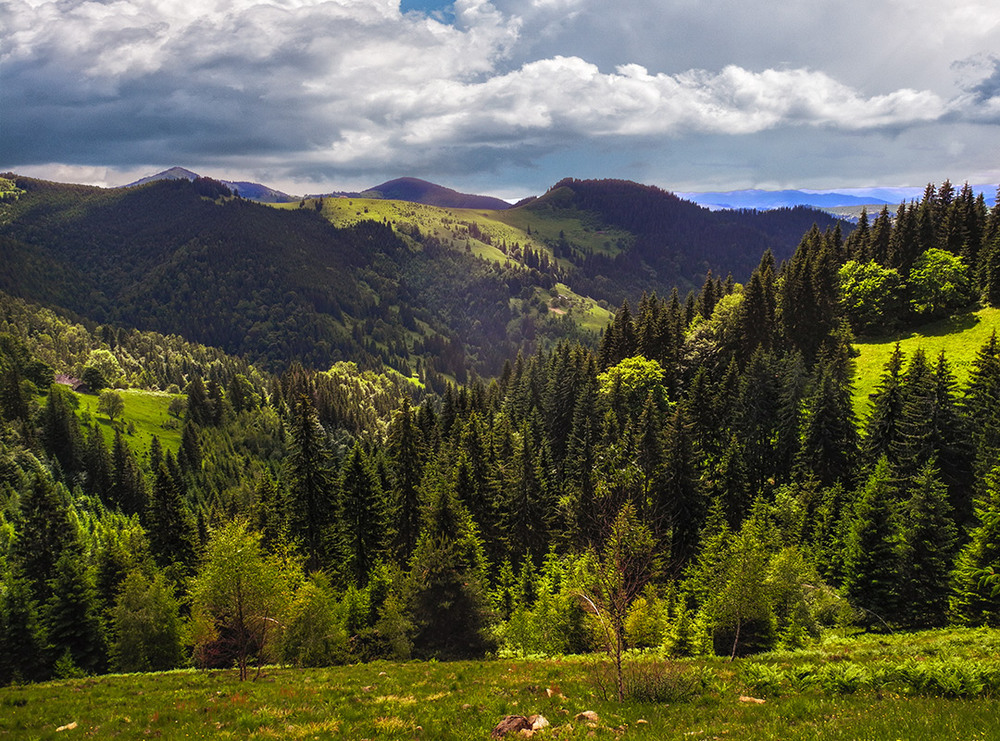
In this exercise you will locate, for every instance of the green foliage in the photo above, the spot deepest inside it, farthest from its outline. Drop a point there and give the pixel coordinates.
(871, 295)
(111, 404)
(938, 283)
(314, 634)
(146, 625)
(239, 597)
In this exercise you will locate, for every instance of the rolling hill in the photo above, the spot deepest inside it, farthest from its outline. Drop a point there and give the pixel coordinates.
(427, 290)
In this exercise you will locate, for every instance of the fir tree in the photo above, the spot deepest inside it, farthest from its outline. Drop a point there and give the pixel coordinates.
(406, 465)
(311, 491)
(871, 562)
(926, 550)
(882, 434)
(362, 516)
(71, 613)
(173, 537)
(974, 581)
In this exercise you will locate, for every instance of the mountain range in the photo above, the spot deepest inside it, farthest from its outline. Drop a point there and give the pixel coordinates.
(849, 201)
(428, 289)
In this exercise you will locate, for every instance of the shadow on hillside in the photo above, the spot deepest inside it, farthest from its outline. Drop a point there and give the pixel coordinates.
(940, 328)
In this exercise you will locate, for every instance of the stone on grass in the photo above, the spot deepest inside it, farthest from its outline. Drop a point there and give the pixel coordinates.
(510, 724)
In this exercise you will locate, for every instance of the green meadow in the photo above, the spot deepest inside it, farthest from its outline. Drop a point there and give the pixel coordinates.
(928, 685)
(145, 416)
(959, 337)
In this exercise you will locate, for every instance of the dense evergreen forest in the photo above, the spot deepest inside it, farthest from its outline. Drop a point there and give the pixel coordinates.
(700, 478)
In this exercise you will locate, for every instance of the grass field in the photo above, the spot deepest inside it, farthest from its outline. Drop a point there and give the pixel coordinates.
(145, 416)
(704, 698)
(959, 337)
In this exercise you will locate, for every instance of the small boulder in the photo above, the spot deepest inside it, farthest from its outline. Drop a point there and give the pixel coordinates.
(510, 724)
(538, 722)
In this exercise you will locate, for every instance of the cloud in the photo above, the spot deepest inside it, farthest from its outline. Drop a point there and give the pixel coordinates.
(314, 88)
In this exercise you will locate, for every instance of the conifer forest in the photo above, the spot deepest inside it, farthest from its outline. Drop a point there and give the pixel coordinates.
(696, 477)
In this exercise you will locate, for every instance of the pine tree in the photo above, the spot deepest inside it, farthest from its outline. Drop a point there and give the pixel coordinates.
(71, 613)
(829, 435)
(128, 488)
(311, 491)
(446, 591)
(173, 537)
(406, 465)
(882, 432)
(871, 562)
(362, 516)
(46, 530)
(681, 507)
(981, 406)
(974, 580)
(22, 641)
(927, 548)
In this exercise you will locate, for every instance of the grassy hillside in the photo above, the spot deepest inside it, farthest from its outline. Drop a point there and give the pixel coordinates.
(144, 418)
(960, 338)
(940, 684)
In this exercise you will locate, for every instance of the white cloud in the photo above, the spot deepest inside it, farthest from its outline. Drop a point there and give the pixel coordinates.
(354, 86)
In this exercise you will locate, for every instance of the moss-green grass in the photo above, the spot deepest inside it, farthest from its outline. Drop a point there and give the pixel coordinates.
(464, 700)
(960, 337)
(145, 416)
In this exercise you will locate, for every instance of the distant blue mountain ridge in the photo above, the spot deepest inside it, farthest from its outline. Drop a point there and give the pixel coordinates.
(764, 200)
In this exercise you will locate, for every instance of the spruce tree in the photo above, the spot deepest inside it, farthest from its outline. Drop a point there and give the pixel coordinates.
(871, 558)
(406, 465)
(977, 567)
(173, 537)
(882, 434)
(829, 435)
(446, 590)
(23, 654)
(46, 530)
(926, 551)
(362, 516)
(72, 620)
(311, 490)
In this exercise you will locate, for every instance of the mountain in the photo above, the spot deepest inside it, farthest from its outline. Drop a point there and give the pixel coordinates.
(251, 191)
(421, 191)
(422, 289)
(667, 242)
(174, 173)
(768, 199)
(820, 199)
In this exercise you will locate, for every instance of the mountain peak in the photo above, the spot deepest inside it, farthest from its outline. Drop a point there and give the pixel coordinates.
(174, 173)
(416, 190)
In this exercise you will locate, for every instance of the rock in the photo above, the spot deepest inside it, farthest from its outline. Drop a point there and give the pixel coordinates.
(588, 716)
(67, 727)
(538, 722)
(510, 724)
(756, 700)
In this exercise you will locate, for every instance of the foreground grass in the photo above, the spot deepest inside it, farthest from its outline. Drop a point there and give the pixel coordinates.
(464, 700)
(960, 338)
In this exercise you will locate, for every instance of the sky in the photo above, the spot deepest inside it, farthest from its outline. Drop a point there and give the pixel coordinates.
(503, 97)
